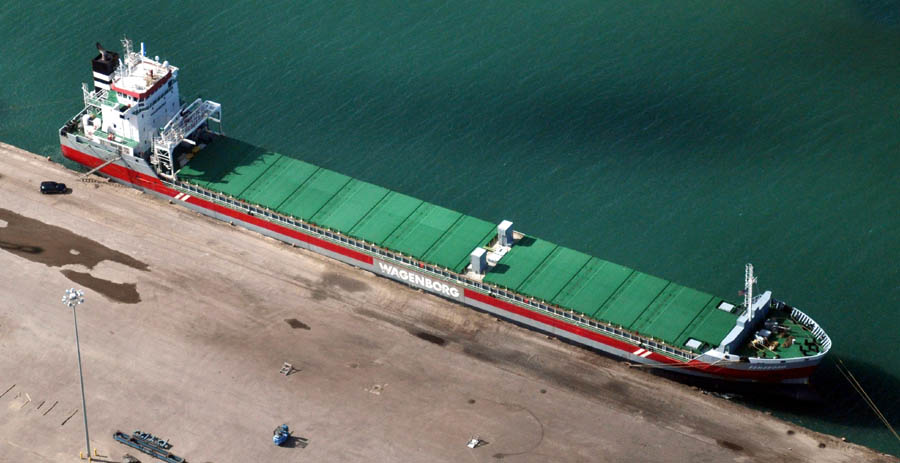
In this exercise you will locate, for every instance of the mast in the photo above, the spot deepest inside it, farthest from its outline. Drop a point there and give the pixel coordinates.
(749, 280)
(126, 45)
(131, 58)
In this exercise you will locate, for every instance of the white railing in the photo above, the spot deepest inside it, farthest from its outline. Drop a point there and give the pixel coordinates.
(187, 121)
(371, 249)
(817, 330)
(94, 98)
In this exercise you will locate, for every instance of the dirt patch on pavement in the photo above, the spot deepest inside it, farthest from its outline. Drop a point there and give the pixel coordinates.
(57, 247)
(332, 281)
(729, 445)
(296, 324)
(125, 293)
(431, 338)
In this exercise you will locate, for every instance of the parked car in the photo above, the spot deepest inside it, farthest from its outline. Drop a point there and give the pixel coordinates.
(53, 188)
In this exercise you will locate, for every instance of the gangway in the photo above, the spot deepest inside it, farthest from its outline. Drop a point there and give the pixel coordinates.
(95, 169)
(179, 129)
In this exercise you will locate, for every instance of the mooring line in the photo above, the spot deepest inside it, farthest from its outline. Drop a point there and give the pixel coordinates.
(859, 389)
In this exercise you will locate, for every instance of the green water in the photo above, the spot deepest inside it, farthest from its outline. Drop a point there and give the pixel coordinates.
(679, 138)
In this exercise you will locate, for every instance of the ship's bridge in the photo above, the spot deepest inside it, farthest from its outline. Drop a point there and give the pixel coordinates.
(142, 77)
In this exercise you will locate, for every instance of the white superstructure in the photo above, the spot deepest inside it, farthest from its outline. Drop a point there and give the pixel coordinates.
(135, 107)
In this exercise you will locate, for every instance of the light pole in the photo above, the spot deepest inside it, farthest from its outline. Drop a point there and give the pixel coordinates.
(72, 298)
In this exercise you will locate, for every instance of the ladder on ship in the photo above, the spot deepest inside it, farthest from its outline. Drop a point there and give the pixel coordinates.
(179, 129)
(164, 159)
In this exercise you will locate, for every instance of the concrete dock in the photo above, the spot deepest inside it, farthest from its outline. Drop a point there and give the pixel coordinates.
(187, 322)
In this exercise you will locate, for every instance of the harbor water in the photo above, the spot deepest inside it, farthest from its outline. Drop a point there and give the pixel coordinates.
(682, 139)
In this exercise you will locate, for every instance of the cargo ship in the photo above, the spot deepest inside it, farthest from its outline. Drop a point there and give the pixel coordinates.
(136, 130)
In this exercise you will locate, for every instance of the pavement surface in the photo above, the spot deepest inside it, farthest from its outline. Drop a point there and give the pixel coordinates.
(187, 322)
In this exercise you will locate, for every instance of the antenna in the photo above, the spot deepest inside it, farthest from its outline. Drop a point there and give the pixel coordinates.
(131, 58)
(126, 45)
(749, 280)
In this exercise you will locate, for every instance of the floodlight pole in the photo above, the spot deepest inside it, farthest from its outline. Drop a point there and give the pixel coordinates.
(72, 299)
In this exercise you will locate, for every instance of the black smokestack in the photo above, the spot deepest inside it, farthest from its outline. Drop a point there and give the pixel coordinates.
(103, 65)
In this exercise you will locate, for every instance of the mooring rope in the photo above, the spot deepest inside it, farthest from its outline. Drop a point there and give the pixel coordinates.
(858, 387)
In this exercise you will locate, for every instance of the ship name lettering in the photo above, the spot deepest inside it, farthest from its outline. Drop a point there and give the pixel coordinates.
(418, 280)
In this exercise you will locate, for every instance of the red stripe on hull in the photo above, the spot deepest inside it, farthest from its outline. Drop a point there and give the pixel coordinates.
(627, 348)
(364, 258)
(152, 183)
(119, 172)
(547, 320)
(774, 376)
(145, 181)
